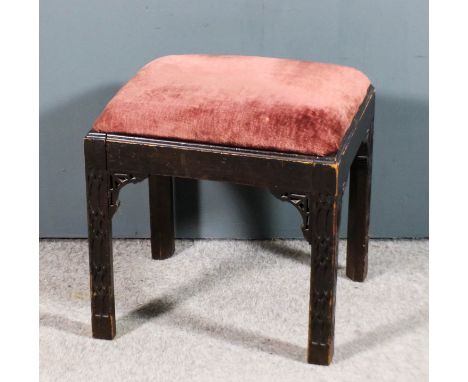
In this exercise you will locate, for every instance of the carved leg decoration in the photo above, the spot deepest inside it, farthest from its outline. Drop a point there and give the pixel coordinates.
(162, 220)
(102, 198)
(324, 236)
(100, 254)
(359, 210)
(320, 213)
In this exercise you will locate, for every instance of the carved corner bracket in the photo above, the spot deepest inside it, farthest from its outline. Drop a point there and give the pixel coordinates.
(302, 203)
(117, 182)
(314, 207)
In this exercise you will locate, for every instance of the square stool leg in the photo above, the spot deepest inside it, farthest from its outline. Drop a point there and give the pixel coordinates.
(320, 211)
(359, 211)
(100, 253)
(324, 238)
(102, 190)
(161, 216)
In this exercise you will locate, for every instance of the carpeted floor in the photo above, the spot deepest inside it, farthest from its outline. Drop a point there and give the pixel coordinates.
(232, 311)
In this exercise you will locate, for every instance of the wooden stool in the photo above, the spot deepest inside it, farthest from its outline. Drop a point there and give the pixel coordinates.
(294, 127)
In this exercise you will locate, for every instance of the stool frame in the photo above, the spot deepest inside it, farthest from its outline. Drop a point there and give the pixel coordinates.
(313, 185)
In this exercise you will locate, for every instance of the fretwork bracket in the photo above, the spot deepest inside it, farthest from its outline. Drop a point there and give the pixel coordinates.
(117, 182)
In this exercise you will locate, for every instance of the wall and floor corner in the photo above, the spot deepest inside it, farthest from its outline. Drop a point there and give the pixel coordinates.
(89, 51)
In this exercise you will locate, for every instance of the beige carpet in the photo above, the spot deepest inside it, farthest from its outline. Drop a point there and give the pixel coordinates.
(232, 311)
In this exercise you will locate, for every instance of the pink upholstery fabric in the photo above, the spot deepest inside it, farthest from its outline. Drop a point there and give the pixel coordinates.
(253, 102)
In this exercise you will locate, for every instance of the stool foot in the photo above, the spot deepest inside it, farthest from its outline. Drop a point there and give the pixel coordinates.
(103, 327)
(320, 354)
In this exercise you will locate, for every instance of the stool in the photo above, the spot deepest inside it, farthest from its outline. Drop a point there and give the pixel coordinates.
(295, 127)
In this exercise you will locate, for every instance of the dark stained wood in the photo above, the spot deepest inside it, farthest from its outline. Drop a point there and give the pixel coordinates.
(359, 211)
(100, 240)
(324, 240)
(195, 161)
(320, 211)
(355, 135)
(161, 215)
(313, 185)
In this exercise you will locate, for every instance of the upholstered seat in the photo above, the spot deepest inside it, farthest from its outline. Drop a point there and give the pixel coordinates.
(251, 102)
(272, 105)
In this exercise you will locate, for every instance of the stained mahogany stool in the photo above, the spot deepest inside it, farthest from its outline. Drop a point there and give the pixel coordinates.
(295, 127)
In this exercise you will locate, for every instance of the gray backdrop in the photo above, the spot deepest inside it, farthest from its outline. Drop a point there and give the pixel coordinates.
(89, 49)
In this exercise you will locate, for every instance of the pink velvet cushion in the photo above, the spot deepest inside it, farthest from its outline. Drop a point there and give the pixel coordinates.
(254, 102)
